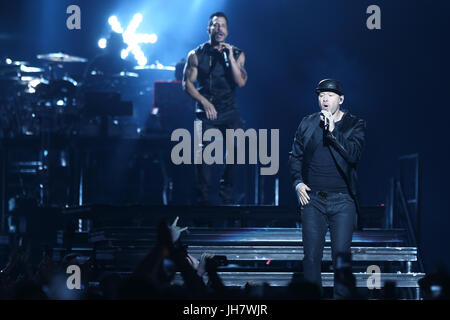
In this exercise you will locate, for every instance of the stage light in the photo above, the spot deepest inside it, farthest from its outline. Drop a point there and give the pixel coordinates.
(146, 38)
(8, 61)
(134, 24)
(63, 159)
(124, 53)
(115, 24)
(153, 38)
(102, 43)
(112, 20)
(60, 103)
(142, 61)
(133, 39)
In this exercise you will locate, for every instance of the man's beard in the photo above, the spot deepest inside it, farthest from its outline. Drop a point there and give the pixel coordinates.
(214, 39)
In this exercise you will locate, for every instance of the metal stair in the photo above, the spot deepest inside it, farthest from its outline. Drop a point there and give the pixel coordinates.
(260, 255)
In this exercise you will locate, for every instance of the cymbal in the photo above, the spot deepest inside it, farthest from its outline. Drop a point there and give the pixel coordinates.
(126, 74)
(17, 68)
(28, 69)
(60, 57)
(120, 75)
(13, 64)
(19, 63)
(154, 67)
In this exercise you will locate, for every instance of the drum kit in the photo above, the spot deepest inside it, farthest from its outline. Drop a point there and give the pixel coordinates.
(45, 97)
(32, 97)
(44, 100)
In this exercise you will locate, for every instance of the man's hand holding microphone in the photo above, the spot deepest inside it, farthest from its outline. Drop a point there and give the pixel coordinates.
(328, 118)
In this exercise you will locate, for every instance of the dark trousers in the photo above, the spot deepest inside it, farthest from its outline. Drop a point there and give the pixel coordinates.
(337, 212)
(225, 120)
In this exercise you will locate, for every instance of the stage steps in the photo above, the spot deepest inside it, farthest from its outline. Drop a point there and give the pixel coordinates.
(269, 253)
(142, 236)
(128, 245)
(258, 254)
(238, 279)
(234, 216)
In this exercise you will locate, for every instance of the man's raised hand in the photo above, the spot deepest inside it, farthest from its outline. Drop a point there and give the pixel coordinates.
(176, 231)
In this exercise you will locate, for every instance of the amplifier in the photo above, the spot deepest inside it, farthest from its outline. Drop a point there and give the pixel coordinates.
(173, 106)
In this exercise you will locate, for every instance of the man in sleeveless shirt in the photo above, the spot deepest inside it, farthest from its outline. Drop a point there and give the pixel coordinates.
(218, 68)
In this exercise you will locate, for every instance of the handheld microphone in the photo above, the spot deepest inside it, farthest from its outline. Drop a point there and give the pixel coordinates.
(225, 57)
(326, 123)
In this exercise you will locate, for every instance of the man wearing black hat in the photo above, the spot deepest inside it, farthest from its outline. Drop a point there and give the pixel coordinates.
(326, 149)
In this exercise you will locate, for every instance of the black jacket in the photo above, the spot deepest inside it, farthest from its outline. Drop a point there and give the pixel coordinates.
(346, 145)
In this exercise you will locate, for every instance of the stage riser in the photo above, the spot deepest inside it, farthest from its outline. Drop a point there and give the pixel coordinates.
(257, 254)
(237, 216)
(402, 280)
(241, 236)
(297, 253)
(272, 253)
(284, 279)
(261, 255)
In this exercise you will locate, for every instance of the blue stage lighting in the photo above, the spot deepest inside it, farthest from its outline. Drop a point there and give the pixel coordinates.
(102, 43)
(133, 39)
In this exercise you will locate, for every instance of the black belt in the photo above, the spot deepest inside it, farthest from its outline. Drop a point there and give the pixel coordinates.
(325, 194)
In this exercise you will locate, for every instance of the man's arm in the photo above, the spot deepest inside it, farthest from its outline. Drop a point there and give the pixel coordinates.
(349, 148)
(189, 77)
(237, 66)
(296, 158)
(238, 70)
(296, 165)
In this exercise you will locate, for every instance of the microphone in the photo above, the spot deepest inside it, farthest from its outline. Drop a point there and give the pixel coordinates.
(326, 123)
(225, 57)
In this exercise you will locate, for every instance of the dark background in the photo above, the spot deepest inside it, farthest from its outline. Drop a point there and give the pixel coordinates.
(395, 78)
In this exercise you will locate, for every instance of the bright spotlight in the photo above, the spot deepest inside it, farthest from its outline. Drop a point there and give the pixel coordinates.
(153, 38)
(142, 61)
(115, 24)
(124, 54)
(102, 43)
(133, 39)
(138, 18)
(112, 20)
(146, 38)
